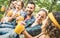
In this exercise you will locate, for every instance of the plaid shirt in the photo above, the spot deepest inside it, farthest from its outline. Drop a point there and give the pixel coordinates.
(30, 21)
(35, 30)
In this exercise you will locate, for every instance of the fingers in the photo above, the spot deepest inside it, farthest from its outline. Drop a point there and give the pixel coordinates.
(19, 19)
(45, 21)
(44, 24)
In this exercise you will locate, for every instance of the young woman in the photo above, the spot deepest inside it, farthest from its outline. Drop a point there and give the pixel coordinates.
(35, 28)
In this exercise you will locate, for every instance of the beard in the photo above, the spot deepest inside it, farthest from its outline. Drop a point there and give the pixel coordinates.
(29, 12)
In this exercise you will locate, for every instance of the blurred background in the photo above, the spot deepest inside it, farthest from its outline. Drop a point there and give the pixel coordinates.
(51, 5)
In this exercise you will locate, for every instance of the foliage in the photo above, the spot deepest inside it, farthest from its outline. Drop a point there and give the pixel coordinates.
(5, 3)
(39, 4)
(48, 4)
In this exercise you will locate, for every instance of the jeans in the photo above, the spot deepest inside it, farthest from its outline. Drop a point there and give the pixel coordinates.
(6, 26)
(7, 30)
(7, 33)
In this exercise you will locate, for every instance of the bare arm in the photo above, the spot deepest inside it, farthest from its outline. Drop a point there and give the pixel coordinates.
(27, 35)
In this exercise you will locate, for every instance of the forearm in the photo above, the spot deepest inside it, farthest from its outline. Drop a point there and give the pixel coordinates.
(27, 35)
(43, 27)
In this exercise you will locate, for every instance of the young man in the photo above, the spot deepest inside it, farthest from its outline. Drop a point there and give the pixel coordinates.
(29, 18)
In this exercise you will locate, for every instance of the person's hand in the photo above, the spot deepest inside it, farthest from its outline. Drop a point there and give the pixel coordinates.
(19, 19)
(44, 24)
(13, 16)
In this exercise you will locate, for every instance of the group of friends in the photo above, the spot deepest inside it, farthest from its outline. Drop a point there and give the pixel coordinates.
(18, 21)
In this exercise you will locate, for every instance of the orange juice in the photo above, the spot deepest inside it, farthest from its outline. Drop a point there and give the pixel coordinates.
(19, 28)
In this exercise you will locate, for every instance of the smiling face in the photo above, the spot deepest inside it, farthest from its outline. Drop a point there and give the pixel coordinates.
(30, 8)
(19, 5)
(15, 3)
(40, 16)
